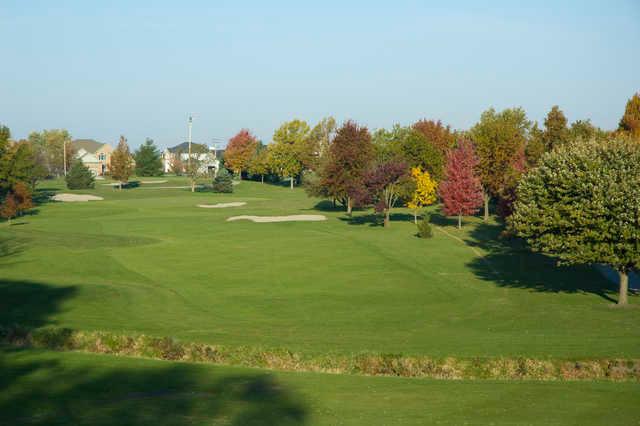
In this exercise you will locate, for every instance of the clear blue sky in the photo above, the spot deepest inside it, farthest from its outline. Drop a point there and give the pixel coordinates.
(101, 70)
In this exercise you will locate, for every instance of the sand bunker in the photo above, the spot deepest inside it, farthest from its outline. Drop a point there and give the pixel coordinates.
(71, 198)
(222, 205)
(291, 218)
(153, 181)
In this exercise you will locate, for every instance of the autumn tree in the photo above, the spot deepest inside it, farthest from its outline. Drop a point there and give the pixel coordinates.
(498, 136)
(350, 155)
(630, 121)
(461, 190)
(259, 164)
(148, 159)
(121, 162)
(437, 134)
(424, 191)
(240, 151)
(582, 205)
(383, 183)
(319, 140)
(16, 201)
(287, 153)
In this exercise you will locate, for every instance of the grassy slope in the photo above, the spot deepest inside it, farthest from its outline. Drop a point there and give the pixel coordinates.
(147, 260)
(82, 389)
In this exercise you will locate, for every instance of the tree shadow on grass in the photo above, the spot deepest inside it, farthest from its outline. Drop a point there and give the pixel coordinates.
(437, 218)
(510, 263)
(375, 219)
(38, 389)
(328, 206)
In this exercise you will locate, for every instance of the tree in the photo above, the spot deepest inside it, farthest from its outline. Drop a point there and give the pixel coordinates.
(79, 177)
(288, 152)
(148, 159)
(240, 150)
(630, 121)
(461, 190)
(498, 137)
(555, 129)
(223, 181)
(176, 165)
(259, 164)
(350, 155)
(424, 192)
(535, 147)
(383, 183)
(55, 151)
(196, 166)
(582, 205)
(9, 207)
(5, 136)
(121, 162)
(17, 200)
(437, 134)
(584, 130)
(319, 140)
(18, 164)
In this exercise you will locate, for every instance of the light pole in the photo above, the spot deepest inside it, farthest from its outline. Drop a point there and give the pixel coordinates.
(64, 156)
(189, 159)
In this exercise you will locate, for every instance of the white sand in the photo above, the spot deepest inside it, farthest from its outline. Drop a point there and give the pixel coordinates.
(291, 218)
(70, 198)
(111, 184)
(153, 181)
(222, 205)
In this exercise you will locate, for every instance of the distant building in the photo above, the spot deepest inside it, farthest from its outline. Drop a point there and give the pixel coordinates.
(178, 157)
(94, 155)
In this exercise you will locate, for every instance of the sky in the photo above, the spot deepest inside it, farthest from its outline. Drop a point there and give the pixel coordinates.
(139, 68)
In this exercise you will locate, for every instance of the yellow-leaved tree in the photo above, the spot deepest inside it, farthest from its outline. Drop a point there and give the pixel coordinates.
(425, 191)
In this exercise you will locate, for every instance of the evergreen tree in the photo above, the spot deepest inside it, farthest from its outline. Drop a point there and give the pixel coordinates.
(223, 181)
(148, 159)
(79, 177)
(555, 129)
(582, 205)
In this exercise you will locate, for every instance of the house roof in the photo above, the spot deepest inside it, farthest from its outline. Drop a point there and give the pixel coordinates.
(184, 147)
(88, 145)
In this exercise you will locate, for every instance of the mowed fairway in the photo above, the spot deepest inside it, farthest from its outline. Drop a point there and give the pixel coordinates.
(148, 260)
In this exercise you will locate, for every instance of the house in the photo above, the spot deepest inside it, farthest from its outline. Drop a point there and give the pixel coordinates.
(177, 157)
(94, 155)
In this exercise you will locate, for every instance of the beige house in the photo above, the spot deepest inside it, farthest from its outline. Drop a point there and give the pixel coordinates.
(94, 155)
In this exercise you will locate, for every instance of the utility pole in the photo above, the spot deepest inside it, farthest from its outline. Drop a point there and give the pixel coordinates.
(189, 160)
(64, 156)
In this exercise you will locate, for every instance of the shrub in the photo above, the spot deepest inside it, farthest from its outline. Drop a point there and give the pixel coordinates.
(79, 177)
(223, 182)
(425, 230)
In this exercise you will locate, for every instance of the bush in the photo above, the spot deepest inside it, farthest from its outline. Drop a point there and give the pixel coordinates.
(79, 177)
(223, 182)
(425, 230)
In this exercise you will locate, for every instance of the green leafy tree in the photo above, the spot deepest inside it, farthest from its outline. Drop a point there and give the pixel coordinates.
(223, 182)
(584, 130)
(630, 121)
(259, 164)
(121, 162)
(79, 177)
(148, 159)
(54, 148)
(582, 205)
(498, 137)
(319, 140)
(289, 153)
(555, 129)
(18, 164)
(5, 135)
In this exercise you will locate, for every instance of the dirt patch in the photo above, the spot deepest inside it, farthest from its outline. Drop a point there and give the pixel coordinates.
(222, 205)
(291, 218)
(72, 198)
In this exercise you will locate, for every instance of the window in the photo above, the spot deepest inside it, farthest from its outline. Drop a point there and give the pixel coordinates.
(101, 157)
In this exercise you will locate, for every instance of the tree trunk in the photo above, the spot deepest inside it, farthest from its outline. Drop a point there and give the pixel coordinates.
(415, 217)
(624, 288)
(291, 180)
(261, 178)
(349, 206)
(120, 186)
(486, 206)
(387, 219)
(459, 221)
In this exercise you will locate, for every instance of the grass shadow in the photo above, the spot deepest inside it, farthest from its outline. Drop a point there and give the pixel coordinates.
(510, 263)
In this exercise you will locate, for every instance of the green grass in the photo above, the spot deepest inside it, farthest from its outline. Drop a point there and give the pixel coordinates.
(50, 388)
(147, 260)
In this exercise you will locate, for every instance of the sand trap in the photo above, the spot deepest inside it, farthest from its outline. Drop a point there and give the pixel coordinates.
(292, 218)
(153, 181)
(110, 184)
(71, 198)
(222, 205)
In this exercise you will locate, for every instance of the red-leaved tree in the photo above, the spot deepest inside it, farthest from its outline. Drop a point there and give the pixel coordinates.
(384, 185)
(350, 154)
(240, 150)
(461, 190)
